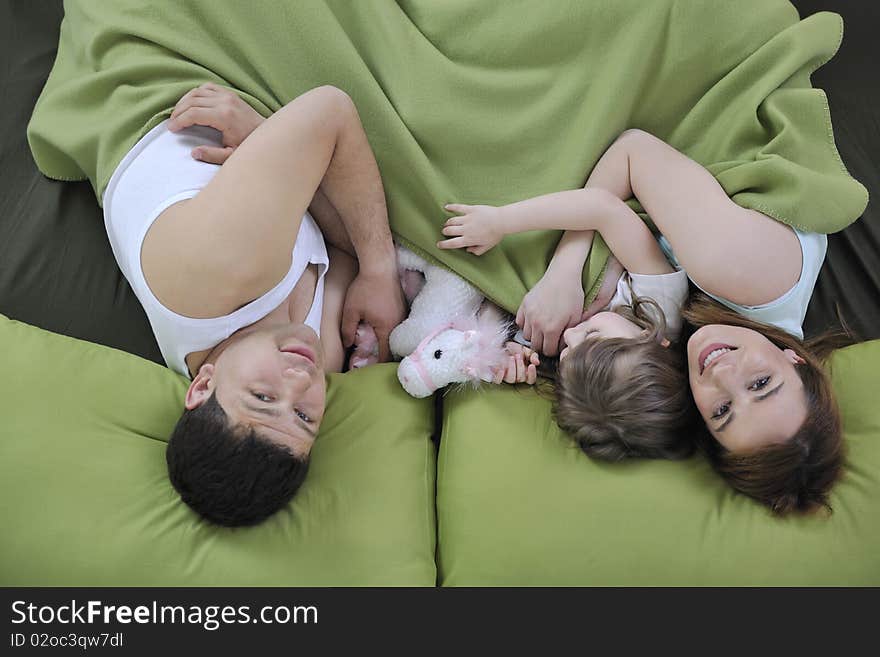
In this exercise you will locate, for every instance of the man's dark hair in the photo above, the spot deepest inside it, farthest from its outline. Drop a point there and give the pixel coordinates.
(228, 475)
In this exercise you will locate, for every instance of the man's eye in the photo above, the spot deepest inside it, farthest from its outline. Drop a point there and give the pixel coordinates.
(760, 383)
(262, 397)
(720, 411)
(303, 416)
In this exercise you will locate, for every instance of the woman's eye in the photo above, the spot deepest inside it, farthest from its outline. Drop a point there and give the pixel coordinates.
(262, 397)
(720, 411)
(760, 383)
(303, 416)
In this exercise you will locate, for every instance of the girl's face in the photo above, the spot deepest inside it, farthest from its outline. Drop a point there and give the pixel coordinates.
(746, 388)
(601, 325)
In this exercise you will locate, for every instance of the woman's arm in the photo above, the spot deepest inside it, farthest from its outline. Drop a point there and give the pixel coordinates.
(730, 251)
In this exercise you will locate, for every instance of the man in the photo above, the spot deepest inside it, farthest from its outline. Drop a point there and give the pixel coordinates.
(241, 292)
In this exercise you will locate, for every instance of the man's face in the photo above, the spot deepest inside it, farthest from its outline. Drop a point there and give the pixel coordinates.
(271, 380)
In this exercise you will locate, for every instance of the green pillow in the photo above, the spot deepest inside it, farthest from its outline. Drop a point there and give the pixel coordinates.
(519, 504)
(85, 498)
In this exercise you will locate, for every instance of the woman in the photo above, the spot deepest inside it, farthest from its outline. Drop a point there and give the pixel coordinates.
(242, 293)
(772, 427)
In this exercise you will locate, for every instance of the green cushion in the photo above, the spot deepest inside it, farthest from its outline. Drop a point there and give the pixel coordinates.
(518, 504)
(85, 497)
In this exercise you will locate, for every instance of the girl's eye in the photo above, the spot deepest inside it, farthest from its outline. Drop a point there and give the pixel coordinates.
(720, 411)
(760, 383)
(262, 397)
(303, 416)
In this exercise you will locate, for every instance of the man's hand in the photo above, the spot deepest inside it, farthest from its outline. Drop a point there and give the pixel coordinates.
(375, 299)
(522, 365)
(613, 272)
(212, 105)
(554, 304)
(479, 228)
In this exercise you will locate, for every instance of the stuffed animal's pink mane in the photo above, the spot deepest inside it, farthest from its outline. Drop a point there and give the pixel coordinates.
(492, 332)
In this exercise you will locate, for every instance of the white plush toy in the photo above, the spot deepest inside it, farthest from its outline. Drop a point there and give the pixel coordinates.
(453, 333)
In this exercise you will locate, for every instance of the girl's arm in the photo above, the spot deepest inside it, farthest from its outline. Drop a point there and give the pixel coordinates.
(481, 227)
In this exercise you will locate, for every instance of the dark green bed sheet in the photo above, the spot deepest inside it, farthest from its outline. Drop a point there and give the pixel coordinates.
(56, 267)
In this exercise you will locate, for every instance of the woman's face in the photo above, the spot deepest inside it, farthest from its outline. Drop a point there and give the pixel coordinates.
(601, 325)
(745, 387)
(271, 380)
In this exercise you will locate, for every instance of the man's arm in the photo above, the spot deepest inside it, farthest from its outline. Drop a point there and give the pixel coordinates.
(313, 144)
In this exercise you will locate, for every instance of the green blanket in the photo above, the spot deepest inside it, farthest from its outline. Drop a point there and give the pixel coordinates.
(475, 101)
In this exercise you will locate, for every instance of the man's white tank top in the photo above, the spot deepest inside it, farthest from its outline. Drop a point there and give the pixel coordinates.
(156, 173)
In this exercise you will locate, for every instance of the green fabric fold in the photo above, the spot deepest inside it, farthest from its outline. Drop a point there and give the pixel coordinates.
(476, 102)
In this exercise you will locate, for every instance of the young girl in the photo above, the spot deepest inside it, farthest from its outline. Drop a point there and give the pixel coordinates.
(772, 427)
(622, 384)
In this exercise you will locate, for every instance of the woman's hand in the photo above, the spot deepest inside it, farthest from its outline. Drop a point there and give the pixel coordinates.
(212, 105)
(479, 228)
(554, 304)
(522, 365)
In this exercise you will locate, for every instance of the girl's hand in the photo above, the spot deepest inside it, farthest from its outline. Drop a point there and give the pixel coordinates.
(522, 365)
(553, 305)
(218, 108)
(479, 228)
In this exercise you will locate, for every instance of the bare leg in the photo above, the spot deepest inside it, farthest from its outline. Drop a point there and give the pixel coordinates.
(730, 251)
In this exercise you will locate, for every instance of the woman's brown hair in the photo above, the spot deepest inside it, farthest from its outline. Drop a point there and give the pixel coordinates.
(796, 475)
(621, 398)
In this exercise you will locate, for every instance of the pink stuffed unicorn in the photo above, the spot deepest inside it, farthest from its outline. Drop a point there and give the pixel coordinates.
(453, 334)
(471, 350)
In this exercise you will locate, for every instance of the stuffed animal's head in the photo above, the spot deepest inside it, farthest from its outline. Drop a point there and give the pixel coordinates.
(452, 355)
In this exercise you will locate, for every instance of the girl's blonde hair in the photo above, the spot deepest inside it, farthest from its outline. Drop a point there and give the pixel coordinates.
(796, 475)
(627, 397)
